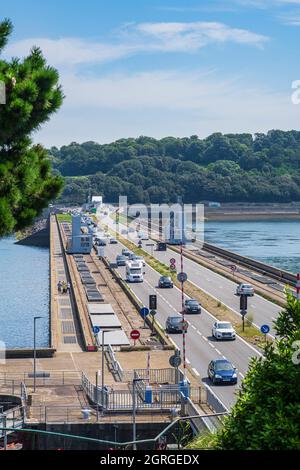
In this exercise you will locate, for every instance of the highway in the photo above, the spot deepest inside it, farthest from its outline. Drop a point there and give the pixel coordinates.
(201, 347)
(262, 310)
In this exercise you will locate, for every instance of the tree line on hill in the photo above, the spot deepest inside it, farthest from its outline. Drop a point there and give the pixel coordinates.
(226, 168)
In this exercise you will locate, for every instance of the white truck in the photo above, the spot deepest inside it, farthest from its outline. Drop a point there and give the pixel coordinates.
(134, 271)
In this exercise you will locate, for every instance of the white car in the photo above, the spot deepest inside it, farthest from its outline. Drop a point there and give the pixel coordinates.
(246, 289)
(223, 330)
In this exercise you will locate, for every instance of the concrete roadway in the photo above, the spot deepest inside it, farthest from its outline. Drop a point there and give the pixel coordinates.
(263, 311)
(201, 348)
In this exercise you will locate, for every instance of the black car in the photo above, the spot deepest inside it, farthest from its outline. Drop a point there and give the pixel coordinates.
(174, 325)
(165, 281)
(192, 306)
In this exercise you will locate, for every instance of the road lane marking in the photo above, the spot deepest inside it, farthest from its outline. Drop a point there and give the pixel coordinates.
(195, 372)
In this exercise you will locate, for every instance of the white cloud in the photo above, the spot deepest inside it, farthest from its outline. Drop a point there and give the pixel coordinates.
(137, 39)
(165, 103)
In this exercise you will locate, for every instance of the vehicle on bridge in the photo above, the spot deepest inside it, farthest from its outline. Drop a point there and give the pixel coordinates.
(121, 260)
(192, 306)
(222, 371)
(165, 281)
(223, 330)
(134, 271)
(174, 325)
(245, 289)
(126, 252)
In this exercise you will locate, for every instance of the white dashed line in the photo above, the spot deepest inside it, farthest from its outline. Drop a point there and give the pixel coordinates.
(195, 371)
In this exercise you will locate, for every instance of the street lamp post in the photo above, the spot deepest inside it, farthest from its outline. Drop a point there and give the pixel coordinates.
(34, 352)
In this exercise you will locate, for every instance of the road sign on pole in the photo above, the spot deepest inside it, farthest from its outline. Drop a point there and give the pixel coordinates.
(135, 334)
(96, 330)
(152, 301)
(265, 330)
(243, 302)
(175, 361)
(182, 277)
(144, 312)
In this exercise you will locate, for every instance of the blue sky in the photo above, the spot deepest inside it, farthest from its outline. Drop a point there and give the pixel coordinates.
(164, 67)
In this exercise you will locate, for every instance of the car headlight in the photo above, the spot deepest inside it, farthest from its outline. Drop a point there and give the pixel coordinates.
(217, 376)
(234, 376)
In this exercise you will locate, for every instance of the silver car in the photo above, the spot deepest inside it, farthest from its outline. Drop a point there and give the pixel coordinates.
(246, 289)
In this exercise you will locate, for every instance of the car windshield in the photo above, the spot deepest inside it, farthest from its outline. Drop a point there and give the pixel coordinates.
(135, 270)
(193, 302)
(176, 320)
(223, 325)
(165, 278)
(223, 365)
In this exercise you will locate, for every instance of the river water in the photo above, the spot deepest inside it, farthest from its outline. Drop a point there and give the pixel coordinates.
(24, 293)
(275, 242)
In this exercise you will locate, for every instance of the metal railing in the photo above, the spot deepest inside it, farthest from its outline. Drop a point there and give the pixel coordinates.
(164, 397)
(12, 418)
(49, 378)
(116, 366)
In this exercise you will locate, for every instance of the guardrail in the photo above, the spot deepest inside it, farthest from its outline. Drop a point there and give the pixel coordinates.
(278, 274)
(13, 418)
(49, 378)
(116, 366)
(213, 401)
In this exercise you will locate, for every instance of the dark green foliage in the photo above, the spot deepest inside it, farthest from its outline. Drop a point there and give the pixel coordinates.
(267, 413)
(226, 168)
(27, 183)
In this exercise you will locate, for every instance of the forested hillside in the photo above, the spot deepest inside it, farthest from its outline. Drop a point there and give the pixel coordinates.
(231, 168)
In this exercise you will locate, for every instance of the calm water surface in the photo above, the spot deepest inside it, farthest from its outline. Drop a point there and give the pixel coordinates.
(274, 242)
(24, 293)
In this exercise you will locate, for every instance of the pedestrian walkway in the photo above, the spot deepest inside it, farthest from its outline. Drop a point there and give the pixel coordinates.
(64, 325)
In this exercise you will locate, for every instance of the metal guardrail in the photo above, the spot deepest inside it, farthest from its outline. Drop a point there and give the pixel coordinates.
(214, 402)
(116, 366)
(165, 398)
(50, 379)
(12, 418)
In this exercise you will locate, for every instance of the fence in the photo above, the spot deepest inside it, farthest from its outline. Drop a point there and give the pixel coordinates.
(43, 378)
(162, 398)
(13, 418)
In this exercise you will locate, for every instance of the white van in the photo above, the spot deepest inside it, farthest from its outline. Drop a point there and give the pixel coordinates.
(134, 271)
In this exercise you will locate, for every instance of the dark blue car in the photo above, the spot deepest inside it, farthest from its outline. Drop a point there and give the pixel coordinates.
(222, 371)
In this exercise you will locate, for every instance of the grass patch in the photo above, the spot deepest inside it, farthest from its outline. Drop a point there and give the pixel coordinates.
(64, 217)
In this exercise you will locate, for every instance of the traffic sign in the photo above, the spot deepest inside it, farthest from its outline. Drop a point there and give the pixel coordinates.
(144, 312)
(96, 330)
(172, 261)
(184, 325)
(265, 329)
(175, 361)
(182, 277)
(135, 334)
(153, 301)
(233, 268)
(243, 303)
(153, 312)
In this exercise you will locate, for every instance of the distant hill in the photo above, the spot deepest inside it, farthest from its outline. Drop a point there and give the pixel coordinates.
(226, 168)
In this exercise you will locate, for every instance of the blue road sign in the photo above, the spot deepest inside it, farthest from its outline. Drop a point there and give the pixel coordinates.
(96, 329)
(265, 329)
(144, 312)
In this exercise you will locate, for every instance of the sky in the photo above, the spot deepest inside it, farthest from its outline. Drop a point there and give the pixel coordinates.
(163, 67)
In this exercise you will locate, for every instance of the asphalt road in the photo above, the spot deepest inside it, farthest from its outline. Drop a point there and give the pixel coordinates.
(201, 348)
(261, 310)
